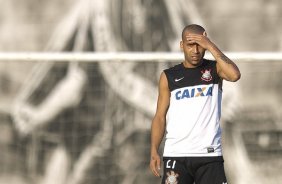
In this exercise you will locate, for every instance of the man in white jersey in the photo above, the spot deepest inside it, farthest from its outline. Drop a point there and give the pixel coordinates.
(188, 110)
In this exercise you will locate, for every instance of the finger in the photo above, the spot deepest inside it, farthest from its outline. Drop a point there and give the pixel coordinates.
(156, 171)
(159, 167)
(192, 42)
(159, 164)
(154, 168)
(193, 38)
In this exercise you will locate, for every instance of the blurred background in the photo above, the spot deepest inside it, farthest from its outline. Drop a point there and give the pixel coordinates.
(89, 122)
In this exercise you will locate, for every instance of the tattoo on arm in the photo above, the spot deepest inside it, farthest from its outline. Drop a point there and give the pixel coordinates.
(225, 59)
(222, 56)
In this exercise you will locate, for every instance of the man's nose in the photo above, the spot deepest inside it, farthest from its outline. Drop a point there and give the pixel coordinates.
(195, 48)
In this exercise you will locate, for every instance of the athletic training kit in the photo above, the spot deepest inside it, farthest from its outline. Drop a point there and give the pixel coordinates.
(192, 149)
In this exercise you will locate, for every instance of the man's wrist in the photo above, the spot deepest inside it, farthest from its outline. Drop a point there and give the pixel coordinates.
(213, 48)
(154, 151)
(217, 54)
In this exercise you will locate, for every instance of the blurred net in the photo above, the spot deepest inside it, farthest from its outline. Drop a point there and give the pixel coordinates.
(89, 122)
(97, 129)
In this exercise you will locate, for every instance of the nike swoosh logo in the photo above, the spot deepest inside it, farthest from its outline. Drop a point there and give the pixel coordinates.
(176, 80)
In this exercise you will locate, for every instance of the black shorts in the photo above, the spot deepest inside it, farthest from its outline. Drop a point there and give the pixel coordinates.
(190, 170)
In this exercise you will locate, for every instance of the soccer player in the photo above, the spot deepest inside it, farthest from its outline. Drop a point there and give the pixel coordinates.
(188, 110)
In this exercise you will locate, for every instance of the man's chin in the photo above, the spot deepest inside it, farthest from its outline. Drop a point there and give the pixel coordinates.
(196, 62)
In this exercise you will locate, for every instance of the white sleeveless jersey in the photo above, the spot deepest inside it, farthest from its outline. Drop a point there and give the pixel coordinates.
(192, 127)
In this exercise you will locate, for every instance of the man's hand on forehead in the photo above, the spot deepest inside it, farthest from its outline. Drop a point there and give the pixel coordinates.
(193, 38)
(200, 39)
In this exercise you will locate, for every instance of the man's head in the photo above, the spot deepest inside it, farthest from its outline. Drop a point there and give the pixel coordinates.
(194, 29)
(193, 52)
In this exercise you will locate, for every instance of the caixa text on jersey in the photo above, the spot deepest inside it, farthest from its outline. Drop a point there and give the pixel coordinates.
(193, 92)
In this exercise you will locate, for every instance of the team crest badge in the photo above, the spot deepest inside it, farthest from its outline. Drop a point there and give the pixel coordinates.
(206, 75)
(171, 178)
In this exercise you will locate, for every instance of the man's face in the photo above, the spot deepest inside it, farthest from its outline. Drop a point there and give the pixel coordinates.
(193, 53)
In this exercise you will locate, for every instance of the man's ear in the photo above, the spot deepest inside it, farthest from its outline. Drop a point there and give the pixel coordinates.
(205, 33)
(181, 45)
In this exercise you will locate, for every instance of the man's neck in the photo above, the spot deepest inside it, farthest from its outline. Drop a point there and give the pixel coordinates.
(186, 64)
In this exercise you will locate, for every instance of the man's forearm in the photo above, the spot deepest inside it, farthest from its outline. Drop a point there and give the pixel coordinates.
(157, 133)
(227, 66)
